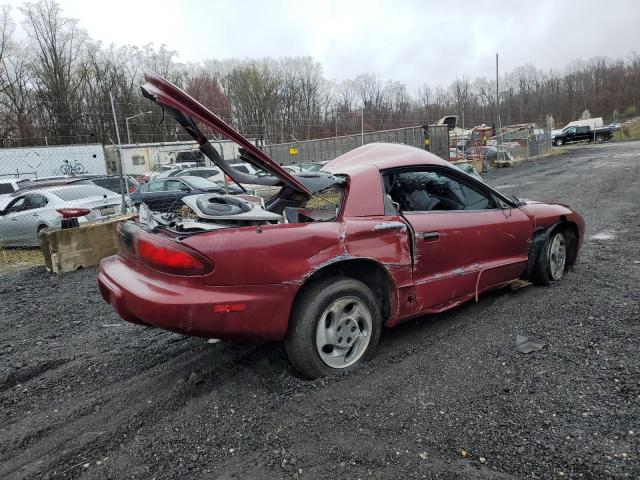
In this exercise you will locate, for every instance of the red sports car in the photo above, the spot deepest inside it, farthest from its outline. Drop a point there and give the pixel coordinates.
(382, 234)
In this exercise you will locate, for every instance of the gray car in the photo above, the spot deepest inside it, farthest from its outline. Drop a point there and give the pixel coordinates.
(28, 213)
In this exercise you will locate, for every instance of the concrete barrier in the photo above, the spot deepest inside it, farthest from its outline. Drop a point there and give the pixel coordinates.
(72, 248)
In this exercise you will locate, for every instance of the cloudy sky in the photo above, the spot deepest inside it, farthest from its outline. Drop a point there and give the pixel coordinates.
(413, 41)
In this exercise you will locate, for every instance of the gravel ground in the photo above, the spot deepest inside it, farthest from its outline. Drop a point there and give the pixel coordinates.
(84, 394)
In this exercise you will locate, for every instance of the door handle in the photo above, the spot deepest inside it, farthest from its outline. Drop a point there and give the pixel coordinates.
(428, 236)
(34, 214)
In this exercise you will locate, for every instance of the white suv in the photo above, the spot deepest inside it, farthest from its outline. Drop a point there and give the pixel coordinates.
(7, 187)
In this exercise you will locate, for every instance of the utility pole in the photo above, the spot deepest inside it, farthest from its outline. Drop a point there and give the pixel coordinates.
(362, 125)
(497, 100)
(124, 188)
(115, 119)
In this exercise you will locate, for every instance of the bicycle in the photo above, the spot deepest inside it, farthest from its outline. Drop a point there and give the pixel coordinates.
(68, 168)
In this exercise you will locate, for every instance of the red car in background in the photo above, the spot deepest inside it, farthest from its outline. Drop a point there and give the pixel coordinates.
(383, 234)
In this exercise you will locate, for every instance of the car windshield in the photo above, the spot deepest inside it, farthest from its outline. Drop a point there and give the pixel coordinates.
(311, 167)
(78, 192)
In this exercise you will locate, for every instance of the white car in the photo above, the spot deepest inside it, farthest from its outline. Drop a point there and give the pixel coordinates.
(210, 173)
(28, 213)
(170, 169)
(7, 187)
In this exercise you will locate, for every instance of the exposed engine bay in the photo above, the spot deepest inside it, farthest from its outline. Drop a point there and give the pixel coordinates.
(212, 211)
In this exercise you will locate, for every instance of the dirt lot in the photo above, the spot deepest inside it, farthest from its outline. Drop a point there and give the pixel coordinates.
(83, 394)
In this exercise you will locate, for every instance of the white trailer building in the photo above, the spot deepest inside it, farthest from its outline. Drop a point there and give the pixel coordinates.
(39, 162)
(141, 158)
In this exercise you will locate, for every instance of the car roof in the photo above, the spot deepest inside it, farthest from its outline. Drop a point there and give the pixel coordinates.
(363, 164)
(382, 156)
(56, 188)
(200, 168)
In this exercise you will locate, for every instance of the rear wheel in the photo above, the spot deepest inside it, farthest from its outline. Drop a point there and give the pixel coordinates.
(335, 326)
(552, 261)
(599, 139)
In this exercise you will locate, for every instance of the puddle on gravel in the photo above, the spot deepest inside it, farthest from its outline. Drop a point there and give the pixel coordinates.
(604, 235)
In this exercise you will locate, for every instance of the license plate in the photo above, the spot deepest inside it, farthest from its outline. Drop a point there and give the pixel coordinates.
(108, 211)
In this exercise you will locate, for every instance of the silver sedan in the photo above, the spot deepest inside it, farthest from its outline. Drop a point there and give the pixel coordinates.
(33, 210)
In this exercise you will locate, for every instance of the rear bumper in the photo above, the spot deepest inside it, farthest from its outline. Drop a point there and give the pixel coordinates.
(185, 305)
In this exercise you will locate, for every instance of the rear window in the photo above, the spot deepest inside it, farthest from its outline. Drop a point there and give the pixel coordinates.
(76, 193)
(240, 168)
(327, 199)
(200, 183)
(6, 188)
(112, 184)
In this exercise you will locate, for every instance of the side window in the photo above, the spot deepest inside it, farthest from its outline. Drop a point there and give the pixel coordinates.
(156, 186)
(241, 168)
(144, 188)
(425, 191)
(174, 185)
(36, 201)
(18, 205)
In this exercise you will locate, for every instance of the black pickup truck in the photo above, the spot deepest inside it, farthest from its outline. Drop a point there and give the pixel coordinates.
(579, 134)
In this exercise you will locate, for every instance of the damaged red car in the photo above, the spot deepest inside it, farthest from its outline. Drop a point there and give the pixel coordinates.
(382, 234)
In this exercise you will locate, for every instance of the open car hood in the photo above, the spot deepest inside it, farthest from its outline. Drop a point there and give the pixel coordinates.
(167, 94)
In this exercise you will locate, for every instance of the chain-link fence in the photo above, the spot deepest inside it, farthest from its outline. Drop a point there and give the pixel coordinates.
(322, 150)
(483, 147)
(50, 187)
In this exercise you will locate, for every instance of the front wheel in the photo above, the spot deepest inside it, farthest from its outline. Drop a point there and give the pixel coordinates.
(552, 260)
(558, 142)
(335, 326)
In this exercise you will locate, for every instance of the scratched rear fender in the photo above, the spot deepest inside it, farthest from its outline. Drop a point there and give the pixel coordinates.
(290, 253)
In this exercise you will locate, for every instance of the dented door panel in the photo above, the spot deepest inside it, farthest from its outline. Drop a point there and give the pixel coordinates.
(454, 248)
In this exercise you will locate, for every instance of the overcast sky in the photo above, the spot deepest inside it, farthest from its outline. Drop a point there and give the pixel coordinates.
(413, 41)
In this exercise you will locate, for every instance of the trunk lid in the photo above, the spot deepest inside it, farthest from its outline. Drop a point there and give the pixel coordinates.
(165, 93)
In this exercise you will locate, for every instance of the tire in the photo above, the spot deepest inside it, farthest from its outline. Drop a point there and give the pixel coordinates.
(558, 142)
(552, 261)
(316, 342)
(599, 139)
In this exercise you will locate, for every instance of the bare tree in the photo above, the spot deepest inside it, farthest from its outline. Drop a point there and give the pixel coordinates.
(59, 45)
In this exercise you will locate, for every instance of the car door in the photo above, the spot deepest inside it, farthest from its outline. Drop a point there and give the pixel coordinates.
(156, 196)
(464, 240)
(35, 215)
(175, 189)
(17, 223)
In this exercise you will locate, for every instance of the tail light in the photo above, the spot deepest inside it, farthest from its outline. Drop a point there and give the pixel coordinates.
(228, 179)
(132, 189)
(170, 257)
(73, 212)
